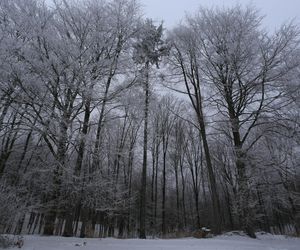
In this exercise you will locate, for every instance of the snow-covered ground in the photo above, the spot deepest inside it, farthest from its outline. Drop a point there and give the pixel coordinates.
(225, 242)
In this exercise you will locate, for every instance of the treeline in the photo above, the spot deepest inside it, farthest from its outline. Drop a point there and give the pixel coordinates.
(112, 126)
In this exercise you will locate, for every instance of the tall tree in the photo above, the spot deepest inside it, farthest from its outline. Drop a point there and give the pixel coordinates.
(185, 63)
(148, 50)
(243, 64)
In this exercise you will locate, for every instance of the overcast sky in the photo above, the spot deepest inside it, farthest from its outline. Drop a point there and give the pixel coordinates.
(172, 11)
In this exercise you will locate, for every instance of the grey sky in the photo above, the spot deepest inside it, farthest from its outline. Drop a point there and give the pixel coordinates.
(172, 11)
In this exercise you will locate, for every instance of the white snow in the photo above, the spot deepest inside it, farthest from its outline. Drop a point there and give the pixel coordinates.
(226, 242)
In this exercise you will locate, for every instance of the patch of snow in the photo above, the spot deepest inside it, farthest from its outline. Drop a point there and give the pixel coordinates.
(217, 243)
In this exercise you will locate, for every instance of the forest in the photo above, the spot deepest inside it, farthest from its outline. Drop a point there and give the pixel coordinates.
(112, 125)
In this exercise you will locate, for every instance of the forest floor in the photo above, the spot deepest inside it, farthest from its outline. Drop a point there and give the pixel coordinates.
(224, 242)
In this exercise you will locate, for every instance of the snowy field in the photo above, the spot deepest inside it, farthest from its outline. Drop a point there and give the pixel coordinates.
(264, 242)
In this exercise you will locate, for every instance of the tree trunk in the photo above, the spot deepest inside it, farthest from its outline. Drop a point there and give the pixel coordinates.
(61, 157)
(177, 196)
(245, 213)
(217, 221)
(142, 233)
(183, 194)
(163, 206)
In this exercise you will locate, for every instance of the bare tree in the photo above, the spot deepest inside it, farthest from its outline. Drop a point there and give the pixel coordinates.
(243, 64)
(185, 65)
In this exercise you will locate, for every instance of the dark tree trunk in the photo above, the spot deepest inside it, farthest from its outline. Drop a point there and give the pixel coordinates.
(177, 196)
(217, 221)
(183, 193)
(163, 205)
(142, 233)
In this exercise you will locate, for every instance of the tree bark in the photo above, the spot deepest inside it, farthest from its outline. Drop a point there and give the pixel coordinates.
(142, 233)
